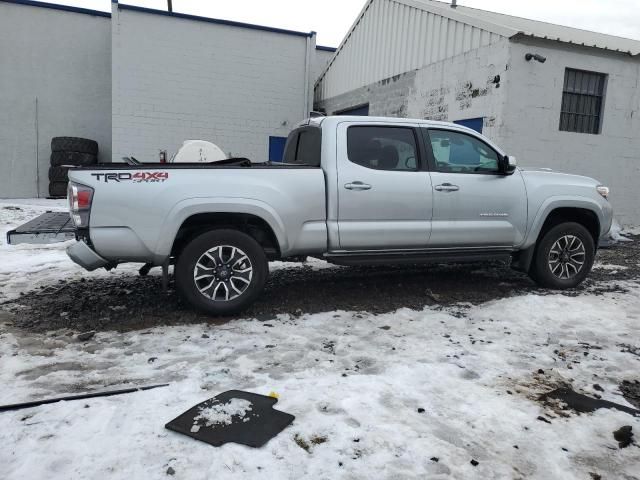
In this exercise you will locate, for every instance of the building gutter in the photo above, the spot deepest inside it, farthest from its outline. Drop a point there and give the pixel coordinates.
(308, 67)
(217, 21)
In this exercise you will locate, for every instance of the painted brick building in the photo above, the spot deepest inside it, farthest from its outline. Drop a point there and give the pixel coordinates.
(578, 112)
(139, 81)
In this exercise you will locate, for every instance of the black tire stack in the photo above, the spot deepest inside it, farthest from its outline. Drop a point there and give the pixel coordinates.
(68, 152)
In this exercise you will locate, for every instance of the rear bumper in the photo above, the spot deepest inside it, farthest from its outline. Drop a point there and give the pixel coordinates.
(84, 256)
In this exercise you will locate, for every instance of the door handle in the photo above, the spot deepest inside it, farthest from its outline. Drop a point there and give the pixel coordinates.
(447, 187)
(357, 186)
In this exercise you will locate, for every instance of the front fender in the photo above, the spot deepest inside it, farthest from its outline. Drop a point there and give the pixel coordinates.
(563, 201)
(184, 209)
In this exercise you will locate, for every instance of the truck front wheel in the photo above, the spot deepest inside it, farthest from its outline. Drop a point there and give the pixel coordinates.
(564, 256)
(221, 272)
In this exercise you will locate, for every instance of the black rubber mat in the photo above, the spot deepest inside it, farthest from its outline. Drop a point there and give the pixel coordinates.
(583, 404)
(255, 428)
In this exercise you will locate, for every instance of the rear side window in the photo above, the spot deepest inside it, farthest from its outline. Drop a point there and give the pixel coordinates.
(383, 148)
(304, 146)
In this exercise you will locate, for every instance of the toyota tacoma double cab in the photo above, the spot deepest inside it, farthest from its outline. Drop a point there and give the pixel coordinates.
(350, 190)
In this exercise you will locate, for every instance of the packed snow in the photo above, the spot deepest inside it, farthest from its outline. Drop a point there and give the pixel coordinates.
(443, 393)
(223, 413)
(617, 232)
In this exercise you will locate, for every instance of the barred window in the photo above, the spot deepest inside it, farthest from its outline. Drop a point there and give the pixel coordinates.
(582, 101)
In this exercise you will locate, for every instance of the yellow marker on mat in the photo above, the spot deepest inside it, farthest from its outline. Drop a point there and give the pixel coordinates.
(274, 395)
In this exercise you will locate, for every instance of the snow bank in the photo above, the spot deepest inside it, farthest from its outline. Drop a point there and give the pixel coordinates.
(616, 234)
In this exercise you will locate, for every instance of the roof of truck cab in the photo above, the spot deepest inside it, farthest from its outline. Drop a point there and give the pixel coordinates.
(333, 120)
(363, 119)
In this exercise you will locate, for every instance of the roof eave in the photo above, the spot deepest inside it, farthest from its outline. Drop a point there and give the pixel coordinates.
(522, 34)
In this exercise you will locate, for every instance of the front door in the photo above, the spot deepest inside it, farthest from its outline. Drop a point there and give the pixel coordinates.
(384, 198)
(474, 205)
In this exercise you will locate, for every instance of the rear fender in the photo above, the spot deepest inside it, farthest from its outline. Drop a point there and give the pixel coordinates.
(193, 206)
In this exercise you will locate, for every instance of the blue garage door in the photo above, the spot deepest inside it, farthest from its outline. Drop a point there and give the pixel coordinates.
(472, 123)
(276, 148)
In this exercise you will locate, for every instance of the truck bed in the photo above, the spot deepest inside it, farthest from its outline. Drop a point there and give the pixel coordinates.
(137, 210)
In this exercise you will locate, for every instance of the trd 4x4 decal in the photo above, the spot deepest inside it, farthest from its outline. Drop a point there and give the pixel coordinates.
(138, 177)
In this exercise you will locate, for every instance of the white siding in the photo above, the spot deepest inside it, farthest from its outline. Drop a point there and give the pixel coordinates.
(391, 38)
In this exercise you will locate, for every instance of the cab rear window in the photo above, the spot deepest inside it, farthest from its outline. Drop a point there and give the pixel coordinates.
(303, 146)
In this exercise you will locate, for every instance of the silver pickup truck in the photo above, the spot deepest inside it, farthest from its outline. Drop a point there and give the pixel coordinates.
(351, 190)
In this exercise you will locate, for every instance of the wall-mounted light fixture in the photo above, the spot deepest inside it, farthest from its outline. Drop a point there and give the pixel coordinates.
(534, 56)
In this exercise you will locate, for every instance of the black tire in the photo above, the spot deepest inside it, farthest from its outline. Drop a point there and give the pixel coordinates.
(58, 174)
(190, 288)
(58, 189)
(545, 262)
(74, 144)
(73, 158)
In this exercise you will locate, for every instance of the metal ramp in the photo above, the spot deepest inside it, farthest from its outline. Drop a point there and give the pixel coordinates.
(50, 227)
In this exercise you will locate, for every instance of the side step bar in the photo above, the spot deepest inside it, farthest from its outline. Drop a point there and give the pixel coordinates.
(419, 256)
(50, 227)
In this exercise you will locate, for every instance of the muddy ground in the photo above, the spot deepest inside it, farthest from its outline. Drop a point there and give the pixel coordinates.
(133, 302)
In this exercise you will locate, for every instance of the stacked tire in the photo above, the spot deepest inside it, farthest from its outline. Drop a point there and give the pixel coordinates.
(67, 152)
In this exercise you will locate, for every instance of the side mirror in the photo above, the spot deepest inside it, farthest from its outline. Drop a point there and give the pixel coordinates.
(508, 164)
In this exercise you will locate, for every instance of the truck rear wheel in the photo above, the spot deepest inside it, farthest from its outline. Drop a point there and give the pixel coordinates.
(564, 256)
(221, 272)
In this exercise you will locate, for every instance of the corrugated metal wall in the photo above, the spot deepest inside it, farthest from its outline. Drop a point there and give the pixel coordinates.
(392, 38)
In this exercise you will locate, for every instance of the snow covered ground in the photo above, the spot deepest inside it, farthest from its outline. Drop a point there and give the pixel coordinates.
(407, 394)
(26, 267)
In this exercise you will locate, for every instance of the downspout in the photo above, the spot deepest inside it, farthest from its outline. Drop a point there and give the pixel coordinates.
(308, 67)
(115, 75)
(37, 152)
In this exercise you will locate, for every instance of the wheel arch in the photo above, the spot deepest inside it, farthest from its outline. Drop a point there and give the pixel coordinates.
(253, 225)
(193, 216)
(583, 213)
(582, 210)
(583, 216)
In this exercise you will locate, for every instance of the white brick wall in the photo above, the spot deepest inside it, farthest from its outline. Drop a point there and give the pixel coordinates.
(458, 88)
(532, 118)
(63, 59)
(467, 86)
(176, 79)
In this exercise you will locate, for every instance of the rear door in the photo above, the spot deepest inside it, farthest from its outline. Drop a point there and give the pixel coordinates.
(474, 205)
(384, 197)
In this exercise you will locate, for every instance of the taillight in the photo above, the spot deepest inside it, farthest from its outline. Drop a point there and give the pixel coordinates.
(80, 197)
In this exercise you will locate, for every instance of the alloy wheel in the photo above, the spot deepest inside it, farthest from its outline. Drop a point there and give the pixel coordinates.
(223, 273)
(566, 257)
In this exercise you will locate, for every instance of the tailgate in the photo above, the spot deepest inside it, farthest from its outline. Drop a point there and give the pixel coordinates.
(50, 227)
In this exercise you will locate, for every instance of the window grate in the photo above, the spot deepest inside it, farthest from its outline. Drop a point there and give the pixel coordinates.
(582, 99)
